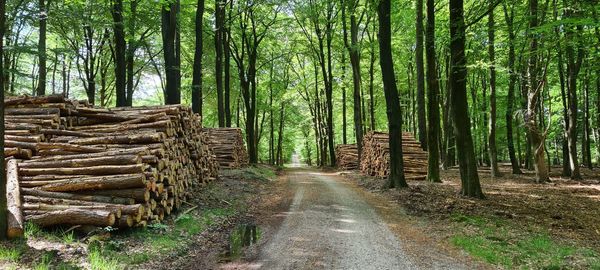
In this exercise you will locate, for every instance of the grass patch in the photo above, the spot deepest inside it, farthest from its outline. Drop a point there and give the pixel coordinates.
(10, 254)
(99, 261)
(496, 242)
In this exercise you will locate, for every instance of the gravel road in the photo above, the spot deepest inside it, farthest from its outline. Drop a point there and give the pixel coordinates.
(330, 226)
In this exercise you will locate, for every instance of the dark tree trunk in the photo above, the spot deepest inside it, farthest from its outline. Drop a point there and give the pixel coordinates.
(43, 18)
(566, 167)
(493, 153)
(462, 125)
(574, 61)
(169, 32)
(280, 135)
(227, 67)
(272, 120)
(3, 203)
(344, 108)
(433, 92)
(509, 16)
(394, 113)
(197, 69)
(422, 122)
(130, 54)
(586, 125)
(353, 50)
(219, 37)
(120, 47)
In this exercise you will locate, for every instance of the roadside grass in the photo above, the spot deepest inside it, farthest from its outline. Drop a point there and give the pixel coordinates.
(259, 173)
(10, 254)
(496, 242)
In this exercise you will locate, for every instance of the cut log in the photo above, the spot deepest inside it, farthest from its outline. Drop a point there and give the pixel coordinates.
(99, 218)
(13, 199)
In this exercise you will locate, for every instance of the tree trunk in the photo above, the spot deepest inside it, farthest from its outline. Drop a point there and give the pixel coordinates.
(120, 48)
(280, 135)
(227, 67)
(433, 109)
(422, 134)
(169, 26)
(43, 18)
(219, 33)
(3, 205)
(197, 69)
(130, 53)
(492, 123)
(511, 90)
(460, 114)
(394, 113)
(574, 60)
(535, 136)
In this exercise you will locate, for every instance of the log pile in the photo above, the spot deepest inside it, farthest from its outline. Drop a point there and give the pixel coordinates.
(375, 159)
(346, 156)
(228, 146)
(123, 167)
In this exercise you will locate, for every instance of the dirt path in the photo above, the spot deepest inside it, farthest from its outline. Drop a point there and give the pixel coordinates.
(329, 225)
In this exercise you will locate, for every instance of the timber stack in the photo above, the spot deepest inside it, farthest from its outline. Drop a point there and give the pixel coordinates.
(122, 167)
(346, 156)
(375, 160)
(228, 146)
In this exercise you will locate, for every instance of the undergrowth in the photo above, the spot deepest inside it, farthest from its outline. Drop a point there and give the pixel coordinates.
(496, 242)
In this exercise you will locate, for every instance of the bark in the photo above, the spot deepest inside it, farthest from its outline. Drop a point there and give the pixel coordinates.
(219, 37)
(70, 196)
(279, 155)
(100, 218)
(197, 69)
(42, 70)
(120, 48)
(533, 88)
(493, 153)
(15, 216)
(227, 67)
(169, 33)
(509, 17)
(422, 124)
(433, 109)
(396, 177)
(353, 50)
(575, 56)
(470, 185)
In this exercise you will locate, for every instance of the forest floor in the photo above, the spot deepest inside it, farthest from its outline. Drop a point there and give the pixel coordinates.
(520, 224)
(200, 236)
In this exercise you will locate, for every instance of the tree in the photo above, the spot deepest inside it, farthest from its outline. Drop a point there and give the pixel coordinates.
(219, 41)
(3, 204)
(353, 48)
(509, 16)
(470, 185)
(533, 89)
(253, 28)
(575, 54)
(433, 104)
(197, 72)
(120, 47)
(170, 39)
(42, 70)
(420, 66)
(493, 152)
(394, 113)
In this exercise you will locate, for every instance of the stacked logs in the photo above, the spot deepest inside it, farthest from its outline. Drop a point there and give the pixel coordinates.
(228, 146)
(90, 166)
(346, 156)
(375, 159)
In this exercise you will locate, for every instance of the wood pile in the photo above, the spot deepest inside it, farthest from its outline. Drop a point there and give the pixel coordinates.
(346, 156)
(375, 160)
(228, 146)
(122, 167)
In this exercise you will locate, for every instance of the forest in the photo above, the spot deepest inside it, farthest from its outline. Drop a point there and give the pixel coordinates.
(496, 88)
